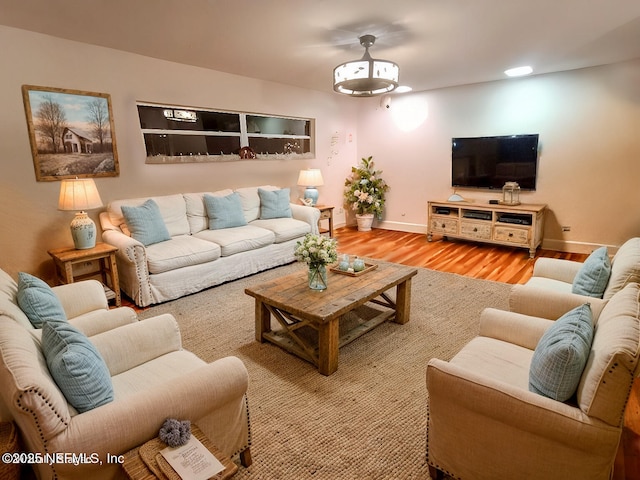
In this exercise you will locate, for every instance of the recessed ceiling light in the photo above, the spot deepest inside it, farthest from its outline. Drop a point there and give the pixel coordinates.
(403, 89)
(518, 71)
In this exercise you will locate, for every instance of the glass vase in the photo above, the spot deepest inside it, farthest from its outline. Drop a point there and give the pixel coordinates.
(317, 277)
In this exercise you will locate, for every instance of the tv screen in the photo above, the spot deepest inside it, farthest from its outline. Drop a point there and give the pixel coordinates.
(489, 162)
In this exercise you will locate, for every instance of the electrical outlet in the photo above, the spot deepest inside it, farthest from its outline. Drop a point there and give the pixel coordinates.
(566, 228)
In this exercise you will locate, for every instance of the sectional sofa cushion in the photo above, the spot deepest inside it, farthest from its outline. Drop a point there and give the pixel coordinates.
(224, 212)
(274, 203)
(285, 229)
(180, 251)
(145, 223)
(76, 366)
(561, 355)
(196, 211)
(37, 300)
(251, 201)
(172, 209)
(593, 276)
(9, 301)
(625, 267)
(605, 386)
(238, 239)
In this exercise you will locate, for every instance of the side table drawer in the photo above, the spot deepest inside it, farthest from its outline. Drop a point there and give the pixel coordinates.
(512, 235)
(475, 230)
(444, 225)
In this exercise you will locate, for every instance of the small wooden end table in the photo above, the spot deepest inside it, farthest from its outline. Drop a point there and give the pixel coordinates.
(294, 305)
(65, 258)
(142, 463)
(326, 213)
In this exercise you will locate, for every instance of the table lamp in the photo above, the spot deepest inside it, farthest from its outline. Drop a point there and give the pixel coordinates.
(80, 194)
(311, 178)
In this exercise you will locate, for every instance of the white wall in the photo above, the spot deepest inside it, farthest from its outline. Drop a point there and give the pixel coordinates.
(31, 223)
(588, 121)
(589, 164)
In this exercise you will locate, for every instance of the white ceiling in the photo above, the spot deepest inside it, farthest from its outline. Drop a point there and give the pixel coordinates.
(437, 43)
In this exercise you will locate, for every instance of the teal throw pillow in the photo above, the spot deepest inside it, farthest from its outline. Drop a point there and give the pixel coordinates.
(561, 355)
(76, 366)
(274, 203)
(37, 300)
(593, 276)
(145, 223)
(224, 212)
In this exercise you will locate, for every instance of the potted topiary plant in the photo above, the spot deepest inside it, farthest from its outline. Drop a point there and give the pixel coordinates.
(364, 193)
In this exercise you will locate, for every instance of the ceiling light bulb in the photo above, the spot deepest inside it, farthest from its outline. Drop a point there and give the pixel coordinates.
(518, 71)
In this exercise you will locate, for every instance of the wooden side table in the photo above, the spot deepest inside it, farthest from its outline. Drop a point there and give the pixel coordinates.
(65, 258)
(143, 463)
(326, 213)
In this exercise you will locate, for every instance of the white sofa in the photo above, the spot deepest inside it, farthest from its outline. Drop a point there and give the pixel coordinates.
(196, 257)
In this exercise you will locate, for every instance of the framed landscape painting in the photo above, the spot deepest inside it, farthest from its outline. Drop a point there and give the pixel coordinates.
(71, 133)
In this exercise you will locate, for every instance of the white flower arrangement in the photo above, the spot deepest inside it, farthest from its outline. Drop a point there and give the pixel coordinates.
(365, 189)
(316, 250)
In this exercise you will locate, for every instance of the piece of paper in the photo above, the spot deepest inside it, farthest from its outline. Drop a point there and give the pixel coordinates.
(192, 461)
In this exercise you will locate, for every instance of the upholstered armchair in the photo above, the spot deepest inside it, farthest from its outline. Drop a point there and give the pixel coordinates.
(485, 422)
(556, 281)
(90, 381)
(83, 304)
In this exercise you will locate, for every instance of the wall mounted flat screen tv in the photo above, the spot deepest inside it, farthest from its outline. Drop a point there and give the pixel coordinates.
(489, 162)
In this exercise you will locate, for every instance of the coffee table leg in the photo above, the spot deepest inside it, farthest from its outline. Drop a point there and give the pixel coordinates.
(403, 302)
(328, 342)
(263, 320)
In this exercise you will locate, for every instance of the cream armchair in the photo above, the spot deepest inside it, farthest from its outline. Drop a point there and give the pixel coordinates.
(548, 294)
(484, 423)
(153, 379)
(84, 303)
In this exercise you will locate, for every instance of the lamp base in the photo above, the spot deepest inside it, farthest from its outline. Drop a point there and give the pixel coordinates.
(83, 231)
(311, 193)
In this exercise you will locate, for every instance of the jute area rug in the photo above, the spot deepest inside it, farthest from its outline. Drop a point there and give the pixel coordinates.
(367, 420)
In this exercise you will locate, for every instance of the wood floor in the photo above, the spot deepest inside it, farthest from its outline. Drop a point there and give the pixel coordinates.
(489, 262)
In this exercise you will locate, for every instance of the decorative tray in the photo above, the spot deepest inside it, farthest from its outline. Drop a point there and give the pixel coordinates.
(367, 268)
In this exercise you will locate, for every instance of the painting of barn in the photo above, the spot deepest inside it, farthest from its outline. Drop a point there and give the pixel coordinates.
(77, 141)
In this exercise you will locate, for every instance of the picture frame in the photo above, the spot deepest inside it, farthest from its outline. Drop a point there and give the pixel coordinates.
(71, 133)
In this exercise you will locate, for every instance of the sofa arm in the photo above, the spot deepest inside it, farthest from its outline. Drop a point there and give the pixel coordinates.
(540, 302)
(131, 345)
(139, 416)
(81, 297)
(306, 214)
(133, 270)
(100, 321)
(515, 328)
(556, 268)
(127, 246)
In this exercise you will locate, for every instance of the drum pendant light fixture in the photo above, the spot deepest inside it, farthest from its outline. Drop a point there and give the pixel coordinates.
(366, 77)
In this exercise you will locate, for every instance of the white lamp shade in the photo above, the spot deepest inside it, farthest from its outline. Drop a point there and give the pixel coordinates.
(310, 178)
(79, 194)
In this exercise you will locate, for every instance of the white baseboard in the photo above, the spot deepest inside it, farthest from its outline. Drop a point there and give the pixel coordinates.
(574, 247)
(403, 227)
(398, 226)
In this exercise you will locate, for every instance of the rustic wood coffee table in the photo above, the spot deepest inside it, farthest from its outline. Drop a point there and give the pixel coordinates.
(294, 305)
